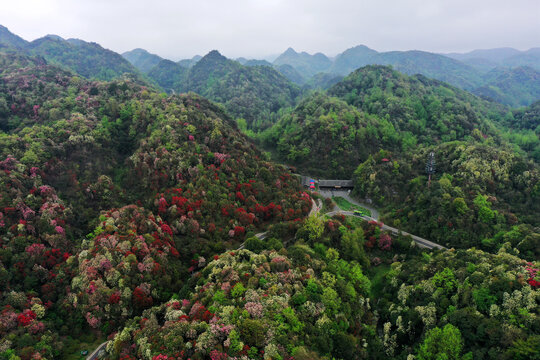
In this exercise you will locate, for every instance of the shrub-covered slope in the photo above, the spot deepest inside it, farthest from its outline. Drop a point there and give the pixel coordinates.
(253, 93)
(156, 181)
(85, 58)
(376, 107)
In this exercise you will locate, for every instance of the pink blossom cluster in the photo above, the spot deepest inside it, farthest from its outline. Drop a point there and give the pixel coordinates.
(217, 355)
(160, 357)
(254, 309)
(385, 242)
(195, 308)
(220, 158)
(8, 318)
(9, 163)
(105, 264)
(220, 329)
(142, 267)
(36, 327)
(26, 212)
(46, 190)
(35, 249)
(92, 320)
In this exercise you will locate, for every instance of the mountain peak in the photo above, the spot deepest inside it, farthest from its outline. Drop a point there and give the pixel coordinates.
(214, 55)
(290, 51)
(136, 51)
(53, 37)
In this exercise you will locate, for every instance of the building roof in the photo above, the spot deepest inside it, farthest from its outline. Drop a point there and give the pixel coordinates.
(336, 183)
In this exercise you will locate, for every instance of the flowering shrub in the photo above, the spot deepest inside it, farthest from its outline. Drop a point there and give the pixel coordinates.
(482, 295)
(255, 319)
(129, 241)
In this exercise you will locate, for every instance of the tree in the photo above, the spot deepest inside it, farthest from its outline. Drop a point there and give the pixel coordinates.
(526, 349)
(352, 246)
(445, 344)
(313, 228)
(445, 280)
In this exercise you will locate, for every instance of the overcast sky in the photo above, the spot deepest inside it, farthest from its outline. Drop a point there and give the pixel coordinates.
(178, 29)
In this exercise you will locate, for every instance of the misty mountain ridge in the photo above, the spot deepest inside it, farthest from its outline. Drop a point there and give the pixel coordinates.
(142, 59)
(487, 59)
(187, 63)
(469, 71)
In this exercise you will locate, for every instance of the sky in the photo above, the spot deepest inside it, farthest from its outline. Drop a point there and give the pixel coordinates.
(177, 29)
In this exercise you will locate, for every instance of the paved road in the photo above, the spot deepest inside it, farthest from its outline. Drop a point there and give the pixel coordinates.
(99, 350)
(346, 195)
(420, 241)
(315, 208)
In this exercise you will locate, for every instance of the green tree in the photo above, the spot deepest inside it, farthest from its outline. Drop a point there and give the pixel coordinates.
(313, 228)
(445, 344)
(460, 205)
(445, 280)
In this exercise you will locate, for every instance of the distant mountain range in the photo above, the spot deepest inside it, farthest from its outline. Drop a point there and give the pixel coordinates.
(306, 64)
(505, 75)
(84, 58)
(486, 60)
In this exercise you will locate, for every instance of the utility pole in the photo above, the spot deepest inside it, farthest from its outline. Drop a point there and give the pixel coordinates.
(430, 166)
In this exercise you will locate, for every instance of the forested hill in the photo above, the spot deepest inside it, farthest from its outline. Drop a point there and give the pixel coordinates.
(514, 87)
(466, 71)
(307, 65)
(378, 107)
(157, 182)
(151, 222)
(378, 126)
(10, 40)
(253, 93)
(87, 59)
(169, 75)
(142, 59)
(411, 62)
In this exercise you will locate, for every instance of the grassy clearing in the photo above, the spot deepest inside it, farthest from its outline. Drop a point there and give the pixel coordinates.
(376, 275)
(347, 206)
(75, 346)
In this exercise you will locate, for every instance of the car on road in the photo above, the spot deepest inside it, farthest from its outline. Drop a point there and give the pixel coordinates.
(362, 213)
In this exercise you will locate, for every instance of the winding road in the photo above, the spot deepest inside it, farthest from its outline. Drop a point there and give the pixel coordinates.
(317, 207)
(417, 239)
(425, 243)
(100, 350)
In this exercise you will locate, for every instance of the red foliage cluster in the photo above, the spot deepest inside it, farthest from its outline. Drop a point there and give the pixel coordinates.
(374, 236)
(141, 299)
(26, 317)
(533, 272)
(239, 231)
(200, 313)
(114, 298)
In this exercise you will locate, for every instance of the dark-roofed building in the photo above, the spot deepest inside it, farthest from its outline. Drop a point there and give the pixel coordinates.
(336, 184)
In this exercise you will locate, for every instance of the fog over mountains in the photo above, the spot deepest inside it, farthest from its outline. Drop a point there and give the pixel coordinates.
(482, 72)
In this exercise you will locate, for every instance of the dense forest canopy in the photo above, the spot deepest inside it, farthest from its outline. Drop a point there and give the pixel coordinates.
(136, 213)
